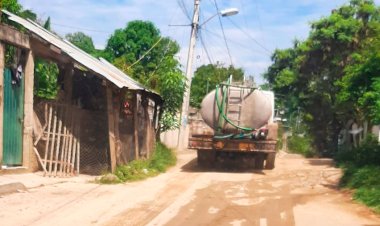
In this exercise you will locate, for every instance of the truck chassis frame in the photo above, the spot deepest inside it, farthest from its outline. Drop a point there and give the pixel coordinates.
(247, 153)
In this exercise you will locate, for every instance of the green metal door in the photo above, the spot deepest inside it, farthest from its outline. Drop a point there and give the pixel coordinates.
(13, 120)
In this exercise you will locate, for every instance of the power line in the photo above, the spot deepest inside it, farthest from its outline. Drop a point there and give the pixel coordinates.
(249, 36)
(203, 43)
(184, 9)
(232, 41)
(224, 35)
(80, 28)
(258, 14)
(167, 47)
(146, 53)
(204, 47)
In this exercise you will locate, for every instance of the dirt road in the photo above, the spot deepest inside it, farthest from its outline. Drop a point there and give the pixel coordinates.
(297, 192)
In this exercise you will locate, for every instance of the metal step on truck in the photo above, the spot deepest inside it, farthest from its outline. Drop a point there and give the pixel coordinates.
(234, 128)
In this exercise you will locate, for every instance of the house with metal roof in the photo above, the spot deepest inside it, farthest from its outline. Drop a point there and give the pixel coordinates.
(98, 119)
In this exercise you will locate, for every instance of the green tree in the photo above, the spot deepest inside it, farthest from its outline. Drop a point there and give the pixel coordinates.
(46, 75)
(141, 52)
(82, 41)
(310, 74)
(29, 14)
(11, 5)
(45, 79)
(360, 86)
(206, 77)
(47, 24)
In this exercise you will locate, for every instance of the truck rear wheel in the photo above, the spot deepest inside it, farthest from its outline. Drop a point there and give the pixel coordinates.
(269, 163)
(206, 158)
(259, 160)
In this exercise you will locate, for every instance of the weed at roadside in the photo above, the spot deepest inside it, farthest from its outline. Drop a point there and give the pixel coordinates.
(160, 161)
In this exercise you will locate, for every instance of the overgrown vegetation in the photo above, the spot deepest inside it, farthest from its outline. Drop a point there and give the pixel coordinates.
(361, 168)
(329, 80)
(368, 153)
(45, 79)
(301, 145)
(160, 161)
(332, 76)
(142, 52)
(280, 133)
(206, 77)
(365, 183)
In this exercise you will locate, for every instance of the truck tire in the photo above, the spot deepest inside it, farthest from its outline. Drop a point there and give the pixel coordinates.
(259, 161)
(269, 163)
(206, 158)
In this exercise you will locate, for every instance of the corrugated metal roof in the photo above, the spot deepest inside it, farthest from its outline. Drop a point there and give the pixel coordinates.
(101, 67)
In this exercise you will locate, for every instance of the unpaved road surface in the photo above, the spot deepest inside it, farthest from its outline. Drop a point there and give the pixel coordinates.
(297, 192)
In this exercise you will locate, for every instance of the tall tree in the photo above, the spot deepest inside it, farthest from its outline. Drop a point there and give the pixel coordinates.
(312, 72)
(82, 41)
(47, 24)
(141, 51)
(11, 5)
(206, 78)
(29, 14)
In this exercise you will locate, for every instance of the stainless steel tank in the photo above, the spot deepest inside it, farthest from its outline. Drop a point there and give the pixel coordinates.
(243, 107)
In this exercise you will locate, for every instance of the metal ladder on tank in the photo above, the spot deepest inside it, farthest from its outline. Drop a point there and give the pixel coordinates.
(234, 104)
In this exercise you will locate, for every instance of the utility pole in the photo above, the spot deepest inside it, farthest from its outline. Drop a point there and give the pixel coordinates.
(183, 132)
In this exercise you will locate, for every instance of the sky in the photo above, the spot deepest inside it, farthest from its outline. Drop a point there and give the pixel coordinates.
(252, 35)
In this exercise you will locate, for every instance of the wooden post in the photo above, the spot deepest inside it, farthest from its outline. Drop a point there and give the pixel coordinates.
(2, 62)
(59, 134)
(135, 125)
(155, 117)
(147, 126)
(50, 107)
(116, 112)
(68, 82)
(78, 157)
(28, 111)
(53, 135)
(70, 143)
(64, 142)
(111, 128)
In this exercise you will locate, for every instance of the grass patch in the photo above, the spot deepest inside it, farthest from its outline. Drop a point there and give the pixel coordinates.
(361, 167)
(365, 183)
(160, 161)
(301, 145)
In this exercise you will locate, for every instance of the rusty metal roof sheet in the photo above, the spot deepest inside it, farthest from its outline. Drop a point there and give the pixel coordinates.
(101, 67)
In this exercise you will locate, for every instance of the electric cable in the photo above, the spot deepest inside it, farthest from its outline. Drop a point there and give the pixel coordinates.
(81, 28)
(245, 47)
(146, 53)
(222, 28)
(204, 47)
(249, 36)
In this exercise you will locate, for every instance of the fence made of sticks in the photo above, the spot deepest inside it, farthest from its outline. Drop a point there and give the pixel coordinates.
(59, 155)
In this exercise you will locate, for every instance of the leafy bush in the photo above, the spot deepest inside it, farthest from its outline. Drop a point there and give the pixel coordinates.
(280, 133)
(45, 80)
(365, 182)
(162, 158)
(361, 168)
(301, 145)
(367, 154)
(160, 161)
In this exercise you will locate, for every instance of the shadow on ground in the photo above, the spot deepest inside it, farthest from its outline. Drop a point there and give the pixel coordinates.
(321, 162)
(193, 167)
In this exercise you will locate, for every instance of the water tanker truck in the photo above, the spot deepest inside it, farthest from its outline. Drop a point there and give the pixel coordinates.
(240, 130)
